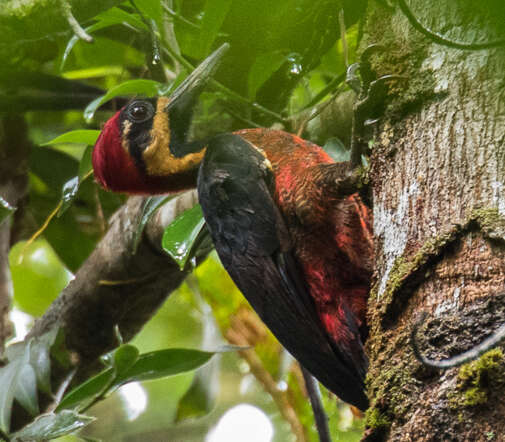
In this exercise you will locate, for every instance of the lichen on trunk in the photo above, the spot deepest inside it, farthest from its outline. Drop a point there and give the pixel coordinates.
(437, 173)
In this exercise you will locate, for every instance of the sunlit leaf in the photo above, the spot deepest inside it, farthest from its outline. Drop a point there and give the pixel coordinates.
(151, 204)
(68, 194)
(148, 88)
(85, 166)
(181, 236)
(38, 276)
(5, 209)
(83, 136)
(51, 426)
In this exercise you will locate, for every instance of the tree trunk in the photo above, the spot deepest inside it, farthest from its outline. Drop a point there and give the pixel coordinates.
(437, 173)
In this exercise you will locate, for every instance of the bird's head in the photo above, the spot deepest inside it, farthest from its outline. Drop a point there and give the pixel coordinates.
(143, 148)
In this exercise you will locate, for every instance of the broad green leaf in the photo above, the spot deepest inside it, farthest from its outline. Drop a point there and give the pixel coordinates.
(51, 426)
(124, 357)
(151, 9)
(85, 166)
(151, 204)
(149, 88)
(89, 389)
(181, 236)
(68, 194)
(83, 136)
(5, 209)
(214, 15)
(26, 390)
(262, 69)
(10, 375)
(161, 363)
(38, 276)
(153, 365)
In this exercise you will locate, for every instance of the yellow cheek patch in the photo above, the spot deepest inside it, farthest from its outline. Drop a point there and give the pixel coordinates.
(158, 159)
(127, 125)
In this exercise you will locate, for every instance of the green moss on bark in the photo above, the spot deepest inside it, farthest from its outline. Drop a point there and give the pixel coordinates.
(478, 379)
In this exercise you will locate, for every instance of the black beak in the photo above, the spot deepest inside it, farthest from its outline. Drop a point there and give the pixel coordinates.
(188, 91)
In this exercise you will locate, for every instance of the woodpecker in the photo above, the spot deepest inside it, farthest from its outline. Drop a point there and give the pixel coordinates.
(298, 249)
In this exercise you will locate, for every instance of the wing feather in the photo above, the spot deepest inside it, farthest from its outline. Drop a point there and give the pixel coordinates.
(253, 243)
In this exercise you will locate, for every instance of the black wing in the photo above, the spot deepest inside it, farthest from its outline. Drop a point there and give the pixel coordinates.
(253, 243)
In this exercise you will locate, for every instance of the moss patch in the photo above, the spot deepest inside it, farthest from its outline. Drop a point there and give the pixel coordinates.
(375, 419)
(491, 223)
(478, 379)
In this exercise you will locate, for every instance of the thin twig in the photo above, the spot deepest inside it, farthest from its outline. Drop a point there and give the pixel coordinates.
(74, 24)
(317, 407)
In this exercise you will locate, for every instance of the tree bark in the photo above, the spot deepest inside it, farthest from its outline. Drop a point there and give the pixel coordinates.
(437, 172)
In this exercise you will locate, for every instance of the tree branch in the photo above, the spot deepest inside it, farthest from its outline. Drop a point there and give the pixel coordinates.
(115, 287)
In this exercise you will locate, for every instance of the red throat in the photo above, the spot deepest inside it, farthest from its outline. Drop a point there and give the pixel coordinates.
(113, 167)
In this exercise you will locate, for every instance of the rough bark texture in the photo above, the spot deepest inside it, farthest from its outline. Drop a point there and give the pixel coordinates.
(437, 173)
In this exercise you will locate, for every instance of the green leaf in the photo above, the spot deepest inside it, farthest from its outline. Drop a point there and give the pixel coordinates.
(38, 276)
(83, 136)
(26, 390)
(51, 426)
(110, 17)
(262, 69)
(10, 376)
(148, 366)
(85, 166)
(151, 204)
(161, 363)
(87, 390)
(124, 357)
(148, 88)
(68, 194)
(40, 358)
(181, 236)
(214, 15)
(5, 209)
(151, 9)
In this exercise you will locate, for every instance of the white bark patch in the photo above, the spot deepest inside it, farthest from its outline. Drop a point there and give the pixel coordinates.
(499, 196)
(449, 304)
(392, 226)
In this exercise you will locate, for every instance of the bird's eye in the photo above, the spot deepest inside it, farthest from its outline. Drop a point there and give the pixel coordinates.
(140, 111)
